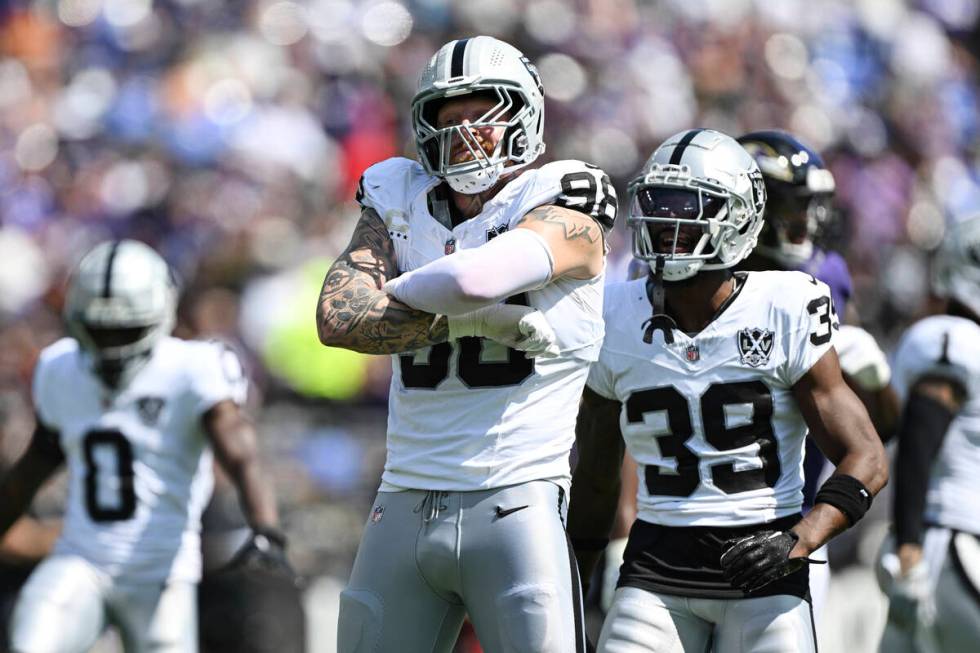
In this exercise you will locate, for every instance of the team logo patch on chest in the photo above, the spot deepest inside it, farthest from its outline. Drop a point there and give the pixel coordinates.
(149, 409)
(755, 346)
(493, 232)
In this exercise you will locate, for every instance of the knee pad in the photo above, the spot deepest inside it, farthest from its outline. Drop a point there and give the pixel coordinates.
(358, 627)
(530, 619)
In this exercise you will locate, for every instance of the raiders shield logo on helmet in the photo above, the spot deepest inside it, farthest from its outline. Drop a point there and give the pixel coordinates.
(755, 346)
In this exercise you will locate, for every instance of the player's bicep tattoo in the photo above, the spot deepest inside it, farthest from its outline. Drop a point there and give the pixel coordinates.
(355, 313)
(574, 225)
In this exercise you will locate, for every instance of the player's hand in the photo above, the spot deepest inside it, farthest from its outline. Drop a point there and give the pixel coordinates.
(264, 550)
(909, 601)
(861, 358)
(752, 562)
(518, 327)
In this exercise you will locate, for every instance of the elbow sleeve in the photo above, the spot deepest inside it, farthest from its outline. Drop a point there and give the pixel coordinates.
(512, 263)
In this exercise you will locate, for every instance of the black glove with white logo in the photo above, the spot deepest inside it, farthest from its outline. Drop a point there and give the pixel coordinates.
(265, 550)
(753, 562)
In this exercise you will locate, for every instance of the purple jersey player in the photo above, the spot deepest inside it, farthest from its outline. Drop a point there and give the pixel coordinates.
(831, 268)
(799, 211)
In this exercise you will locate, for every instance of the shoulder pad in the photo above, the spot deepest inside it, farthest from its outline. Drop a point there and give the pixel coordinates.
(390, 183)
(581, 187)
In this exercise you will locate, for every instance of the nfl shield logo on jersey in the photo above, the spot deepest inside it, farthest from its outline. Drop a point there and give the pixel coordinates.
(377, 514)
(755, 346)
(693, 353)
(149, 409)
(450, 246)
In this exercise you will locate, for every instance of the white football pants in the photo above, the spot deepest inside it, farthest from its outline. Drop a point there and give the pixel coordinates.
(645, 622)
(67, 603)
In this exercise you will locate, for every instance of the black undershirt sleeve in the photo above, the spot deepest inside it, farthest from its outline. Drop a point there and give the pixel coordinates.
(920, 436)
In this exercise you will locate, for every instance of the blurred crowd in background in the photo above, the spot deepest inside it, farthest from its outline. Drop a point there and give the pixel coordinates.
(231, 135)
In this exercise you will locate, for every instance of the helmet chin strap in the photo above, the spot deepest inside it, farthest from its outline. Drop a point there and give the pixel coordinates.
(659, 319)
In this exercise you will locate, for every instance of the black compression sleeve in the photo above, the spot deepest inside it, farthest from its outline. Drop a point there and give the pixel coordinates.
(920, 435)
(47, 442)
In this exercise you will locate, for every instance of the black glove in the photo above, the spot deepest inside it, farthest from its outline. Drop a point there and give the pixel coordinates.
(265, 550)
(755, 561)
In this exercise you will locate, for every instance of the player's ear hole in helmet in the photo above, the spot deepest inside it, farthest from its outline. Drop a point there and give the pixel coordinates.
(121, 300)
(486, 68)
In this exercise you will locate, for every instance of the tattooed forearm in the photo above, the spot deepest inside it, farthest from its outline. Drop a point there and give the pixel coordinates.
(576, 226)
(353, 311)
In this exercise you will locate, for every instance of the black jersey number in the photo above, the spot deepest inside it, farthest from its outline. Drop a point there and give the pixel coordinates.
(113, 470)
(822, 307)
(685, 478)
(580, 192)
(471, 367)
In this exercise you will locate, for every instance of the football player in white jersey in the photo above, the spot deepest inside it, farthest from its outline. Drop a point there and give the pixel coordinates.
(135, 414)
(714, 390)
(469, 516)
(933, 577)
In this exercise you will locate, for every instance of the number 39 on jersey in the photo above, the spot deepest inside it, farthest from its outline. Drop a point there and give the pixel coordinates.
(718, 436)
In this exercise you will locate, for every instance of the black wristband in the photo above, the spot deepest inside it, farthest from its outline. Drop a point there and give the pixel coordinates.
(590, 543)
(847, 494)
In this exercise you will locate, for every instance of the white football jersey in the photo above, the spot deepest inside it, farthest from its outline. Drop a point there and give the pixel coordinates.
(139, 465)
(711, 419)
(472, 414)
(944, 345)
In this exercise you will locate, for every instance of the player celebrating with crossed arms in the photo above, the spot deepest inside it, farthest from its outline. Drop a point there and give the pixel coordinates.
(469, 516)
(714, 389)
(135, 414)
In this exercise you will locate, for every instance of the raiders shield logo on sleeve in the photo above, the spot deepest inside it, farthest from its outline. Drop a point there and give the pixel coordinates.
(755, 346)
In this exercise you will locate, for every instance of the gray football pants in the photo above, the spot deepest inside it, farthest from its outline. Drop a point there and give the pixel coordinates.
(427, 559)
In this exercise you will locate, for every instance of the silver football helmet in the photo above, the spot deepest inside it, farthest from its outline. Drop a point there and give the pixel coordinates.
(499, 71)
(956, 268)
(122, 298)
(696, 205)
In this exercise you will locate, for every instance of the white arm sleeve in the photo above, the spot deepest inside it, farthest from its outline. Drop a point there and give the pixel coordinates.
(511, 263)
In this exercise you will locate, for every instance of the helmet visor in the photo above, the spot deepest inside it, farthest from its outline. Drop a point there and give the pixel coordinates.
(674, 222)
(677, 204)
